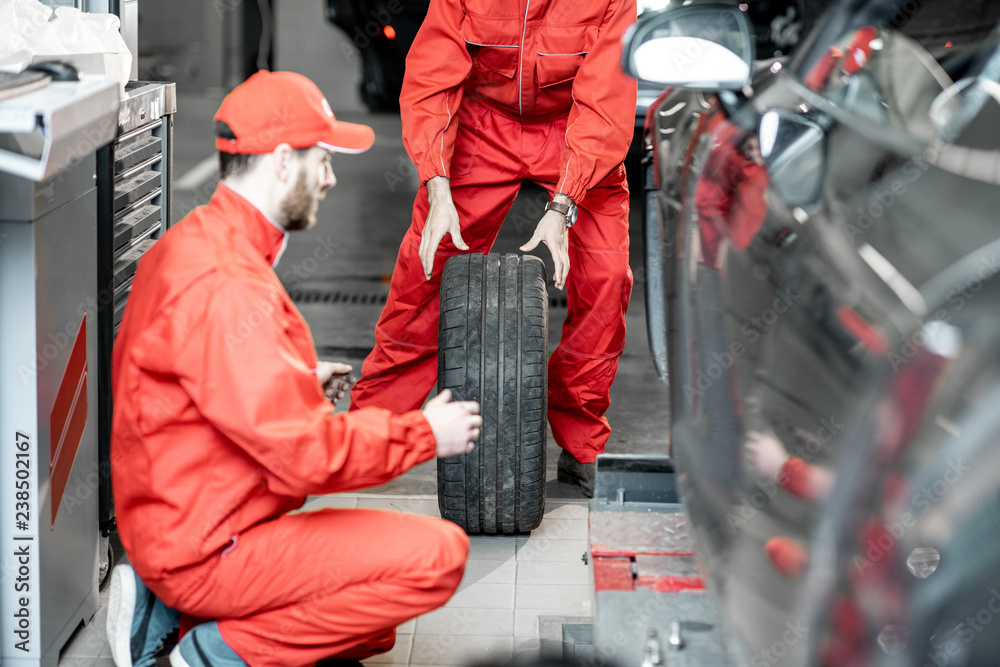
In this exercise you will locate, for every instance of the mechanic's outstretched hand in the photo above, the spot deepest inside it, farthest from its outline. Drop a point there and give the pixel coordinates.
(336, 379)
(442, 219)
(766, 453)
(456, 424)
(552, 231)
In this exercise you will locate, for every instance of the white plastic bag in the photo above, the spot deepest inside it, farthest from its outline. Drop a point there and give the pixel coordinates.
(24, 26)
(30, 31)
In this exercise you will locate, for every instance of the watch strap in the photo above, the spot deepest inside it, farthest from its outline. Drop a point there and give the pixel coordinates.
(559, 207)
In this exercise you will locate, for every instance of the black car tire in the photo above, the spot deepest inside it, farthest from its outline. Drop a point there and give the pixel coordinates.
(493, 348)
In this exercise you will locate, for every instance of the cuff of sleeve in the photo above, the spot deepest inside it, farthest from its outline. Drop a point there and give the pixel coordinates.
(796, 478)
(429, 170)
(414, 429)
(575, 190)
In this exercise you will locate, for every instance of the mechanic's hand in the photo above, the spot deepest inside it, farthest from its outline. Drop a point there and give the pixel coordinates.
(442, 219)
(767, 454)
(336, 379)
(456, 424)
(552, 231)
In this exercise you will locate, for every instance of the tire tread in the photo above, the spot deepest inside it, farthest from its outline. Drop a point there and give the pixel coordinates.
(493, 349)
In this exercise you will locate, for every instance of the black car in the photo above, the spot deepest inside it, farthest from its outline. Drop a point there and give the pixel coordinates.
(821, 273)
(382, 31)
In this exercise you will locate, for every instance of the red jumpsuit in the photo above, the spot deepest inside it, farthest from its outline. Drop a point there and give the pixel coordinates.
(730, 193)
(497, 92)
(221, 428)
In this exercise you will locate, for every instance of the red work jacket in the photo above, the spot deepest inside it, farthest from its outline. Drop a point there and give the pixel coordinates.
(534, 60)
(220, 422)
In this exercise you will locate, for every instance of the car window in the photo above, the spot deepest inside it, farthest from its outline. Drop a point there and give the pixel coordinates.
(943, 29)
(882, 76)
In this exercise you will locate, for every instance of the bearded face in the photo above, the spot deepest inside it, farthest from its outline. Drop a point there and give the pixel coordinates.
(298, 210)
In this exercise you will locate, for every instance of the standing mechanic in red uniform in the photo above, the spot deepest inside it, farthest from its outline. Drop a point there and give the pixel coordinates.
(222, 426)
(496, 92)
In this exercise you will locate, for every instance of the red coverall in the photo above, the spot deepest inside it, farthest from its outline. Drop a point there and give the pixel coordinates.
(497, 92)
(730, 193)
(221, 428)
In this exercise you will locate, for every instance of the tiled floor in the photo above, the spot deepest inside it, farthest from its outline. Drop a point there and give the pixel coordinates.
(510, 581)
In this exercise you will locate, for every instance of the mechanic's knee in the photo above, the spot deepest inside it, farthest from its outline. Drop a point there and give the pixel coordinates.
(451, 547)
(456, 544)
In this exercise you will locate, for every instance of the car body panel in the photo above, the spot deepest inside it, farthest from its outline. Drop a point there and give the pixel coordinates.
(850, 326)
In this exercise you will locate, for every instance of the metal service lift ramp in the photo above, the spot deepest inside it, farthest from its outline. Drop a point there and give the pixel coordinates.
(49, 477)
(651, 607)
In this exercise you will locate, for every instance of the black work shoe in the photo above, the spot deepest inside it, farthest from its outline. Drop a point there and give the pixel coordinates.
(571, 471)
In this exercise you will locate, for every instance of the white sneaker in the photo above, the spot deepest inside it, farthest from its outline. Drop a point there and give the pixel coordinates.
(138, 623)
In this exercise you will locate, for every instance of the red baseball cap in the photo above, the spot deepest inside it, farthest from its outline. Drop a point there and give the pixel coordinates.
(272, 108)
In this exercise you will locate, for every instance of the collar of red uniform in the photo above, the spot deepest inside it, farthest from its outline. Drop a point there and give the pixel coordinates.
(247, 220)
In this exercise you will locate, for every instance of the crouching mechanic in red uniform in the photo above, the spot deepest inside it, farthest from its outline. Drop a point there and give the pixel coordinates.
(496, 92)
(222, 426)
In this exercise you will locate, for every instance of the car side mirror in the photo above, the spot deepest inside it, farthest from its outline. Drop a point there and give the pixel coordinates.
(707, 47)
(793, 147)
